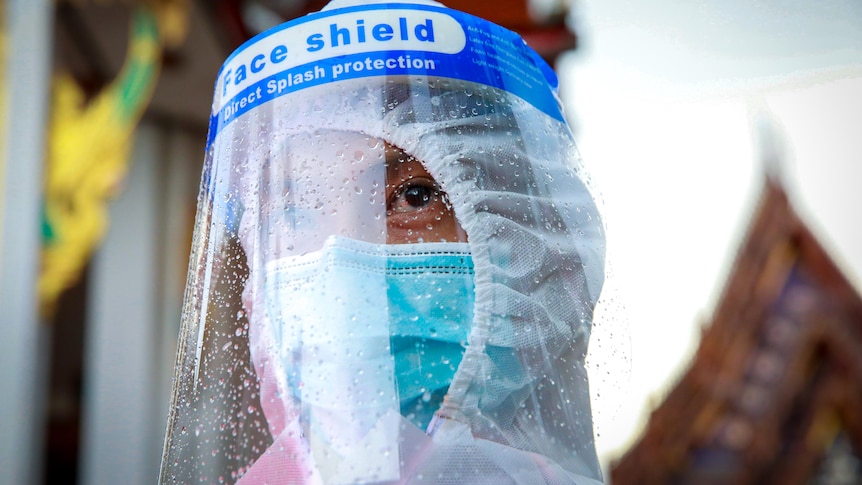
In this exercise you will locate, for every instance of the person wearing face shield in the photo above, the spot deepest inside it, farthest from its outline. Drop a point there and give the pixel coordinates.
(396, 260)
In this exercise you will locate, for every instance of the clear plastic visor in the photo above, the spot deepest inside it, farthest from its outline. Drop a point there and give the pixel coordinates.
(337, 183)
(335, 329)
(359, 297)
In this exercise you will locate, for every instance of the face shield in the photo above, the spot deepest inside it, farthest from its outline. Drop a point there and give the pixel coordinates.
(395, 263)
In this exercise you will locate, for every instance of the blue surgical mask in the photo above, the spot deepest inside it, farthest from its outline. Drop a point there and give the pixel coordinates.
(431, 297)
(392, 321)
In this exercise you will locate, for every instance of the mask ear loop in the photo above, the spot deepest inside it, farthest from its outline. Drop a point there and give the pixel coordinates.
(456, 404)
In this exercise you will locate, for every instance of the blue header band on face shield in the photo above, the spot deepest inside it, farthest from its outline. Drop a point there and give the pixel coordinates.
(380, 40)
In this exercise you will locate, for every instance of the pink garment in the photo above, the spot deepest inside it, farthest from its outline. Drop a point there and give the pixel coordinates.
(285, 462)
(288, 460)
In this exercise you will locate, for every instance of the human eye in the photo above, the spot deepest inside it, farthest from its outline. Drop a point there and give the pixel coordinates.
(414, 195)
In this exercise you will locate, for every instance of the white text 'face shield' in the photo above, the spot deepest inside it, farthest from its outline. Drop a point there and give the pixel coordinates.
(395, 265)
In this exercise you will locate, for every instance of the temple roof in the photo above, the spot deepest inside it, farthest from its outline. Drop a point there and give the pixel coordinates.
(776, 383)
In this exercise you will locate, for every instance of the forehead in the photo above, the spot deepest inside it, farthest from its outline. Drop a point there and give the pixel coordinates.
(321, 157)
(349, 152)
(330, 159)
(326, 158)
(337, 147)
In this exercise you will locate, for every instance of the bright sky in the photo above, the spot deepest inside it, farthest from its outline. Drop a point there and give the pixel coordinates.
(661, 95)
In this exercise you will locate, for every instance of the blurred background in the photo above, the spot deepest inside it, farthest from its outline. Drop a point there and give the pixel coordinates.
(676, 106)
(105, 114)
